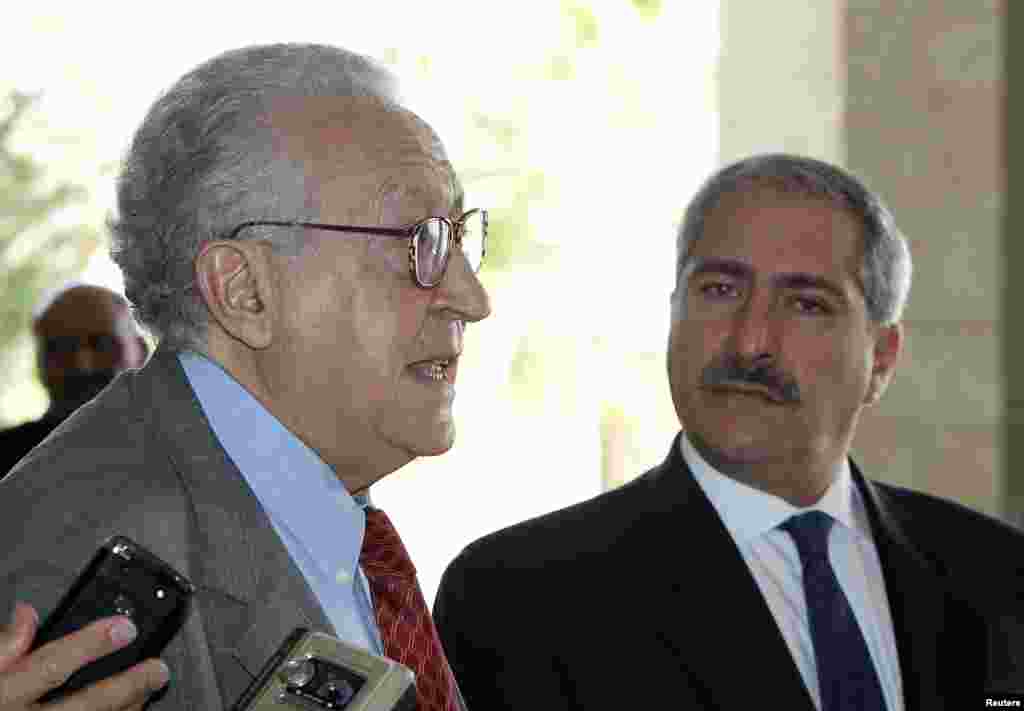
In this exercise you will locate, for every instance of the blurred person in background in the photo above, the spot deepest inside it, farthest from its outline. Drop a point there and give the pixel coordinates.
(757, 567)
(297, 240)
(85, 335)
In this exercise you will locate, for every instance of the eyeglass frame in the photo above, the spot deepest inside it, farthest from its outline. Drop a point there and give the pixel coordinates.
(454, 226)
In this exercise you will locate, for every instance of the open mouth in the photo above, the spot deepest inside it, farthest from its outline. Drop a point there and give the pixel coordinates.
(434, 371)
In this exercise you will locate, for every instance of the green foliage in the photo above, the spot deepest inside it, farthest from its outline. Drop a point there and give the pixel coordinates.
(614, 424)
(647, 9)
(507, 133)
(527, 367)
(497, 141)
(584, 24)
(32, 258)
(560, 68)
(511, 240)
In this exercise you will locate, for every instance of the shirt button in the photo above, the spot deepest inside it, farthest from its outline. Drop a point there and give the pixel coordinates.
(343, 577)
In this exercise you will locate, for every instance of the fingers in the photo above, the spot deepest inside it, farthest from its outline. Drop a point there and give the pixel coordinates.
(16, 637)
(31, 676)
(127, 690)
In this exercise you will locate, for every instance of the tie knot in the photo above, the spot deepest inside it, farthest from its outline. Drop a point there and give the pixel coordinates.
(810, 533)
(383, 552)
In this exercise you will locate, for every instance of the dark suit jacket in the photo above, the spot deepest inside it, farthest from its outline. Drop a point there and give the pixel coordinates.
(18, 441)
(639, 599)
(140, 460)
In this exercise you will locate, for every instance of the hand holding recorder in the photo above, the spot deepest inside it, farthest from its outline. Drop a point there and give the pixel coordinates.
(25, 677)
(85, 659)
(121, 611)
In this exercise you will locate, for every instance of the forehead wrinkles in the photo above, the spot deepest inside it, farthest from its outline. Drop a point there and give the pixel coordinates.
(419, 153)
(399, 198)
(774, 215)
(334, 130)
(368, 147)
(819, 218)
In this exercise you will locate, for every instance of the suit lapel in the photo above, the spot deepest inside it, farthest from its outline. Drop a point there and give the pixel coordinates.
(927, 620)
(251, 593)
(713, 616)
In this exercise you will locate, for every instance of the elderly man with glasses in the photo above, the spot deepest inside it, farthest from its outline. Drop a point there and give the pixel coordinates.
(297, 240)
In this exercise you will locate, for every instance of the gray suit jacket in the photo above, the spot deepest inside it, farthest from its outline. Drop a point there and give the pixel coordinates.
(141, 461)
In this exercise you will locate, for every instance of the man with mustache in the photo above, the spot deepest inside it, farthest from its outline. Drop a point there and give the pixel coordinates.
(756, 567)
(85, 335)
(297, 239)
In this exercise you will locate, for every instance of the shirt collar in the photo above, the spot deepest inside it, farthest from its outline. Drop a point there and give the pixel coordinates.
(748, 512)
(299, 491)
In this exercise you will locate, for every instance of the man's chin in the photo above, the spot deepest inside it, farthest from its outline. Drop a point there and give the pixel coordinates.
(431, 444)
(733, 452)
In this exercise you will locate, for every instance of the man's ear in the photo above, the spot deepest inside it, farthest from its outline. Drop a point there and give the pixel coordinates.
(236, 282)
(888, 346)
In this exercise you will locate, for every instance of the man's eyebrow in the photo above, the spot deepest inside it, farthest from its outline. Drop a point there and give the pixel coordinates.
(801, 280)
(787, 280)
(717, 265)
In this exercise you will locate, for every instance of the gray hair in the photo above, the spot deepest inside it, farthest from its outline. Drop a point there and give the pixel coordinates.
(205, 159)
(886, 267)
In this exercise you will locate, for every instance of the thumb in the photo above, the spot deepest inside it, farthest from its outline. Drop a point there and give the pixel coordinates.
(16, 637)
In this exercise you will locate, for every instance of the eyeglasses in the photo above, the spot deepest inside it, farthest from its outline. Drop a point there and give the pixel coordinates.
(430, 241)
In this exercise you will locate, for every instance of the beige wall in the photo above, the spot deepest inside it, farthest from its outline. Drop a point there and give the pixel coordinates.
(908, 95)
(780, 78)
(1013, 253)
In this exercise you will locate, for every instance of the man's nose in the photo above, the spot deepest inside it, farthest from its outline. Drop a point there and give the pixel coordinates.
(755, 329)
(462, 292)
(86, 358)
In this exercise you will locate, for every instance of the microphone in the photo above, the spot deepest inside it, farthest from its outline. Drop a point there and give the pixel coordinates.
(311, 671)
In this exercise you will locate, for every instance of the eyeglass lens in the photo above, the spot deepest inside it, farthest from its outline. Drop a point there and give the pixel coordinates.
(433, 240)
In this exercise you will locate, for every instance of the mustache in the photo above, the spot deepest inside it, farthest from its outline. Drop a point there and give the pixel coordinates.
(730, 369)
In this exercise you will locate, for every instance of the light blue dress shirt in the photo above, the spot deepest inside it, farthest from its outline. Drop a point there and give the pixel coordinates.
(320, 523)
(752, 518)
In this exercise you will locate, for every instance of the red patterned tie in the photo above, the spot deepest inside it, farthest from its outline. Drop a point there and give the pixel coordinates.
(406, 628)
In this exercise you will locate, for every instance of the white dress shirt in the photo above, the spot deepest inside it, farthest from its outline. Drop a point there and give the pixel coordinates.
(320, 524)
(752, 518)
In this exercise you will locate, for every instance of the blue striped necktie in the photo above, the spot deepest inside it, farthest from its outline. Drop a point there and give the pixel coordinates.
(847, 678)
